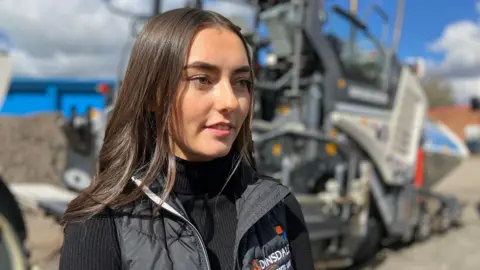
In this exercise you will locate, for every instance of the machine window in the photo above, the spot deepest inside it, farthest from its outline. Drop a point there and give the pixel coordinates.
(362, 57)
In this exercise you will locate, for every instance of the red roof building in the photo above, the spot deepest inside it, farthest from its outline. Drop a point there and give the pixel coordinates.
(456, 117)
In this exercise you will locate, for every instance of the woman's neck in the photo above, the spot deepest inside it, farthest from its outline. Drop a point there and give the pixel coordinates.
(208, 177)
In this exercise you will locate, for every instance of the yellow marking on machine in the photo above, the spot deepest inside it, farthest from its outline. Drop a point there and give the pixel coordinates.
(276, 149)
(331, 149)
(341, 83)
(283, 109)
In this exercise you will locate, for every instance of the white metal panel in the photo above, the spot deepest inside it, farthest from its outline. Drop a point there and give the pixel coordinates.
(6, 66)
(406, 124)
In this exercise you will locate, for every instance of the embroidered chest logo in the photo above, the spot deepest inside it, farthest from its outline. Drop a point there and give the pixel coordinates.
(279, 231)
(272, 261)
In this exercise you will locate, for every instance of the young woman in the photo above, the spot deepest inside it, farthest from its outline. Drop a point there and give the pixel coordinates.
(176, 186)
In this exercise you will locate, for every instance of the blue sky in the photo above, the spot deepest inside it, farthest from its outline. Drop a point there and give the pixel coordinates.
(423, 22)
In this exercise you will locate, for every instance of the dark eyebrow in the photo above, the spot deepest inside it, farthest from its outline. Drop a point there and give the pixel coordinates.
(210, 67)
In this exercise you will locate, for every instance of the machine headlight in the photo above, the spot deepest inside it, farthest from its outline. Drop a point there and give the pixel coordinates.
(271, 59)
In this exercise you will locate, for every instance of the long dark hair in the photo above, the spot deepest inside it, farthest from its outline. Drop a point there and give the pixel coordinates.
(135, 136)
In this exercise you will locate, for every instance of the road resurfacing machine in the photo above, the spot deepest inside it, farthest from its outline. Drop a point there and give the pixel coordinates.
(339, 119)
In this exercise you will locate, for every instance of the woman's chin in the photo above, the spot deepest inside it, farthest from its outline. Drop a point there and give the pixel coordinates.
(217, 152)
(213, 151)
(206, 151)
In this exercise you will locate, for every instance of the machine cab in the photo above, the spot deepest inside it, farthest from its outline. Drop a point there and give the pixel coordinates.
(357, 67)
(370, 72)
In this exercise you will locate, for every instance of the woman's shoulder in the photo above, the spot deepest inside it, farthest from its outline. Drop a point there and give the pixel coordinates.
(289, 200)
(91, 244)
(100, 225)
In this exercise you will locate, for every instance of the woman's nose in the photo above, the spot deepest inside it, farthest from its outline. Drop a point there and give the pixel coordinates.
(227, 99)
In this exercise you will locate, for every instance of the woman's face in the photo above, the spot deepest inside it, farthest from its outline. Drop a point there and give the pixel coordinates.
(214, 96)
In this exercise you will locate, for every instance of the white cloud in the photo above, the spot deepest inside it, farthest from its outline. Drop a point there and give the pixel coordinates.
(460, 45)
(465, 88)
(54, 38)
(460, 42)
(74, 38)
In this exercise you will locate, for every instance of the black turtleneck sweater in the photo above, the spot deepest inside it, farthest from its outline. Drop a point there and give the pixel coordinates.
(94, 245)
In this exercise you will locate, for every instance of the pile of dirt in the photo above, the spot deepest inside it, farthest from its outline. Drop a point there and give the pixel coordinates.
(32, 148)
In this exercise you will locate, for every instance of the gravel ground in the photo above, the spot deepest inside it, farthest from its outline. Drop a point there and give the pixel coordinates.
(33, 151)
(44, 242)
(458, 249)
(32, 148)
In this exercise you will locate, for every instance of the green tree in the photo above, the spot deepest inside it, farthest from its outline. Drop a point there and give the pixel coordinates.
(438, 90)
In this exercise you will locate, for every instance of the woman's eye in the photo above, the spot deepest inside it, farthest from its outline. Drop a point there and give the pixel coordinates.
(243, 83)
(201, 81)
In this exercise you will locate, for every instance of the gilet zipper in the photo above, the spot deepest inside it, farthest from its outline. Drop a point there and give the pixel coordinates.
(172, 210)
